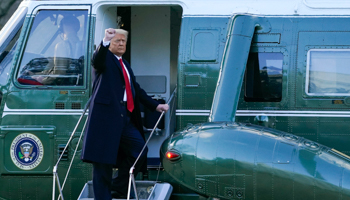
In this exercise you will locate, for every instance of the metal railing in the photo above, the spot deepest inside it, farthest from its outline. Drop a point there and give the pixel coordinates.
(131, 172)
(131, 179)
(55, 174)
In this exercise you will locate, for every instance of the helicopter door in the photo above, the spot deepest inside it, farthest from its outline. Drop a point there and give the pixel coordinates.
(49, 85)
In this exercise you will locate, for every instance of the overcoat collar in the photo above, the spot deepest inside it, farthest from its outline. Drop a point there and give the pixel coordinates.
(116, 61)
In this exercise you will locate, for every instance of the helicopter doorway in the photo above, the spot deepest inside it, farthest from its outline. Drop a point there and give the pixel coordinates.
(152, 51)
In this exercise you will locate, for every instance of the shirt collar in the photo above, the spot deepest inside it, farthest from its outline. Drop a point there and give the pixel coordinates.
(118, 57)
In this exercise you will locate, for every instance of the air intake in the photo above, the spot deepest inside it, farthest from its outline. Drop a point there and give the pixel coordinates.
(60, 150)
(76, 105)
(59, 105)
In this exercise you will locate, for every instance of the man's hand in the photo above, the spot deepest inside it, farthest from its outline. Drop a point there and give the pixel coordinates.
(162, 107)
(109, 34)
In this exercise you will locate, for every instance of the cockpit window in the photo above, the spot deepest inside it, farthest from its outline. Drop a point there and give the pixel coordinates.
(8, 42)
(263, 78)
(54, 53)
(328, 72)
(6, 58)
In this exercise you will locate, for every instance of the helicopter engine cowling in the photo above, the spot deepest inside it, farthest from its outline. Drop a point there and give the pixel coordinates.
(231, 160)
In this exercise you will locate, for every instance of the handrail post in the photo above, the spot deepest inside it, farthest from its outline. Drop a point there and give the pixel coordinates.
(54, 183)
(131, 172)
(54, 171)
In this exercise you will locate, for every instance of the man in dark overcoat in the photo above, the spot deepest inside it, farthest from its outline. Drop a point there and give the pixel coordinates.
(114, 135)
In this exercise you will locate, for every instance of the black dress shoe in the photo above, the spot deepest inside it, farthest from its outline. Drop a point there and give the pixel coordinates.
(118, 195)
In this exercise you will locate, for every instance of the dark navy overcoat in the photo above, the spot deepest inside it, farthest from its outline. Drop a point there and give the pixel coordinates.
(106, 120)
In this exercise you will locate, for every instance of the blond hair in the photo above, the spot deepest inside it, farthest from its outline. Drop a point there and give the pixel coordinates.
(123, 32)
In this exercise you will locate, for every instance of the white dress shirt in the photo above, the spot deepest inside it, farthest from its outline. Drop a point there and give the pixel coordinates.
(106, 43)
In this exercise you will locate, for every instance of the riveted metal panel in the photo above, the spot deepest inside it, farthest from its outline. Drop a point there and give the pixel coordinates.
(199, 65)
(37, 159)
(267, 38)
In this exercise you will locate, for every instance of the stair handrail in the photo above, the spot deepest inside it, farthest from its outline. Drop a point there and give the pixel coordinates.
(131, 172)
(55, 173)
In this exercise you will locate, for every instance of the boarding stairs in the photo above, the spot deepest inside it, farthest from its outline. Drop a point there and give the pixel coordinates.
(146, 190)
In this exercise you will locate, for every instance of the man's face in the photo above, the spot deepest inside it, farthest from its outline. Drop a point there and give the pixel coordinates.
(68, 29)
(118, 45)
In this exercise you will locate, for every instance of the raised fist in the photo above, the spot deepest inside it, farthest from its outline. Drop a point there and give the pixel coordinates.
(109, 34)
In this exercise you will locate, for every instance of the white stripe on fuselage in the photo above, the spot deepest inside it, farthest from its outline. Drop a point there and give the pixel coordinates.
(281, 113)
(9, 111)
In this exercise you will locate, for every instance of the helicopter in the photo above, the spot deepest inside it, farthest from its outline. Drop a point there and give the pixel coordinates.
(261, 105)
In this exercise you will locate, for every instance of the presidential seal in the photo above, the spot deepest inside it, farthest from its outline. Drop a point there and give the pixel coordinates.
(26, 151)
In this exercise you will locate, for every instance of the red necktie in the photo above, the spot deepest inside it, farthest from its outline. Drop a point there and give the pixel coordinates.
(129, 97)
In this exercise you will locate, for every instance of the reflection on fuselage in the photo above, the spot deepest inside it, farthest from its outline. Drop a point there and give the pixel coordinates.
(223, 159)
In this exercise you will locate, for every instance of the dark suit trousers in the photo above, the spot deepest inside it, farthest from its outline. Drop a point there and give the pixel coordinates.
(130, 146)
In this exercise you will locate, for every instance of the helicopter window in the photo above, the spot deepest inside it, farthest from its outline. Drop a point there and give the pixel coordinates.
(263, 77)
(8, 41)
(6, 58)
(54, 53)
(328, 72)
